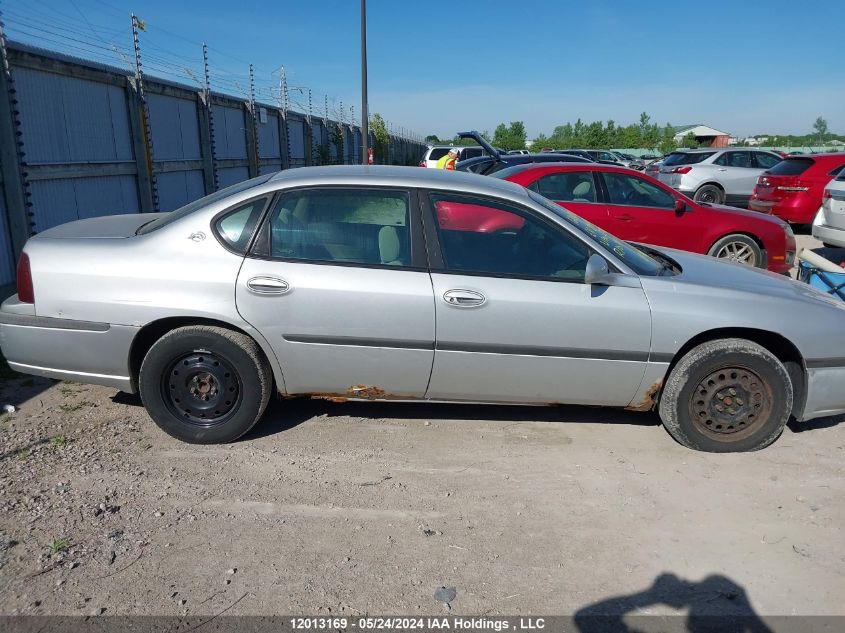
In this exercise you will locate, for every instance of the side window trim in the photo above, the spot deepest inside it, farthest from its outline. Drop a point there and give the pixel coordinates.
(260, 246)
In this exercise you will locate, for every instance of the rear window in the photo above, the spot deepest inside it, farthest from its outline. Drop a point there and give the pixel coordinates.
(438, 153)
(686, 158)
(837, 170)
(791, 167)
(841, 175)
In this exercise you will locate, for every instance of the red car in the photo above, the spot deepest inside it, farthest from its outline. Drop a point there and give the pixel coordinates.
(638, 208)
(792, 189)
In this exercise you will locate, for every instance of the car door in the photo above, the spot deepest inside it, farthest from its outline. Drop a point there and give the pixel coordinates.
(643, 211)
(577, 191)
(515, 320)
(337, 283)
(737, 174)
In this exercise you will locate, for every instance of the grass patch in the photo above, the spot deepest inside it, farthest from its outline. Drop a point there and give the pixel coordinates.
(58, 545)
(58, 441)
(23, 453)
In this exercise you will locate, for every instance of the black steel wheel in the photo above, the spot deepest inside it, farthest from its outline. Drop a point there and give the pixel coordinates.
(727, 395)
(710, 194)
(202, 388)
(205, 385)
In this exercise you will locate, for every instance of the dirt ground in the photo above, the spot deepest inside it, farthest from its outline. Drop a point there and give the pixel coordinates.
(368, 508)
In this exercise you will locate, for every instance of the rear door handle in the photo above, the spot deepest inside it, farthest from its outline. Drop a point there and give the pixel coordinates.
(464, 298)
(268, 285)
(625, 217)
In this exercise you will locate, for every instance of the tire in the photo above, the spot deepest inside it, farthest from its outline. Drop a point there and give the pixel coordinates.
(737, 248)
(205, 385)
(710, 194)
(745, 379)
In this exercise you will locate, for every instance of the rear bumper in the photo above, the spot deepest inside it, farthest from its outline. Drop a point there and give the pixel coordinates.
(829, 234)
(825, 395)
(85, 351)
(797, 210)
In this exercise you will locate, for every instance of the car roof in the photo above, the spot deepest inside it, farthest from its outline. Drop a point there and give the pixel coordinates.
(389, 175)
(571, 166)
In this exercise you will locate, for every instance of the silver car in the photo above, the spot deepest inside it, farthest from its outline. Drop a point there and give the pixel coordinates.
(412, 284)
(716, 176)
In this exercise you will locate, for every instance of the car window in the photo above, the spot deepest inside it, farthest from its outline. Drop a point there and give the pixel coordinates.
(362, 226)
(571, 186)
(236, 227)
(734, 159)
(482, 236)
(636, 192)
(841, 175)
(471, 152)
(837, 170)
(686, 158)
(766, 161)
(792, 166)
(437, 153)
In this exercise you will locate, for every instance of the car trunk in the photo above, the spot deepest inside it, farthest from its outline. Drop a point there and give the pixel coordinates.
(111, 226)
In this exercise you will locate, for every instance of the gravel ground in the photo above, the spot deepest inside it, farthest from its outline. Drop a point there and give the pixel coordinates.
(346, 509)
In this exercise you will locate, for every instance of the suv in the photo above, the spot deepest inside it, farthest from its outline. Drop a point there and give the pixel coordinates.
(436, 152)
(715, 175)
(829, 225)
(792, 189)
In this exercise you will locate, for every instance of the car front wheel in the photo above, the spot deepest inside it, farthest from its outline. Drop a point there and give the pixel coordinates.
(726, 396)
(205, 385)
(737, 248)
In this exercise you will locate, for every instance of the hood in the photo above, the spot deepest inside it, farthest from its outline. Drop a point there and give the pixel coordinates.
(110, 226)
(717, 274)
(743, 213)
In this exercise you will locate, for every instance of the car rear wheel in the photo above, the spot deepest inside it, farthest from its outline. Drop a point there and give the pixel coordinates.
(710, 194)
(205, 385)
(726, 396)
(737, 248)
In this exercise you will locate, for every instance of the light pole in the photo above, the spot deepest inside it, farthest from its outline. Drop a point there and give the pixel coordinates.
(365, 132)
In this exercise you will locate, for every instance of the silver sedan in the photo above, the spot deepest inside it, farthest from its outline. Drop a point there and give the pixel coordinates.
(413, 284)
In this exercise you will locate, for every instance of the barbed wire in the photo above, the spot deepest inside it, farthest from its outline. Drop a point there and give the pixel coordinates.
(83, 37)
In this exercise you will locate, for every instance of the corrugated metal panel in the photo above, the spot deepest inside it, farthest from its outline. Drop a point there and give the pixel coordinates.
(229, 132)
(347, 146)
(232, 175)
(177, 188)
(296, 132)
(63, 200)
(66, 119)
(175, 128)
(269, 167)
(318, 133)
(7, 257)
(268, 138)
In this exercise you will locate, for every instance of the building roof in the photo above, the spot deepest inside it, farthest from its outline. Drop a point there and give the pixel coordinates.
(698, 130)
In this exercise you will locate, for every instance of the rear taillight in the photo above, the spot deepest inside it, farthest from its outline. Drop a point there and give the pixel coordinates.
(422, 164)
(682, 170)
(826, 195)
(26, 293)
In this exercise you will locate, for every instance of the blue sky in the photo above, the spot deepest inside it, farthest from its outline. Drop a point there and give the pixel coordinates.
(744, 67)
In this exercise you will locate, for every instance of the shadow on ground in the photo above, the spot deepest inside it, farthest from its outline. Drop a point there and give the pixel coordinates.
(715, 604)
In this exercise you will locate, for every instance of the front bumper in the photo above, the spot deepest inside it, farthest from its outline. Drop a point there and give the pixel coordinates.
(65, 349)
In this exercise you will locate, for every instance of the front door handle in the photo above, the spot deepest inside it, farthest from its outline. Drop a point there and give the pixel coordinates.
(625, 217)
(723, 169)
(464, 298)
(268, 285)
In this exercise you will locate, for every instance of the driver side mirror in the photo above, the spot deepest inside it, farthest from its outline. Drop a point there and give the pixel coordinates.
(596, 270)
(680, 206)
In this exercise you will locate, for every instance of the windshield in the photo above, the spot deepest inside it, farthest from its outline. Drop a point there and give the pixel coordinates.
(638, 261)
(189, 208)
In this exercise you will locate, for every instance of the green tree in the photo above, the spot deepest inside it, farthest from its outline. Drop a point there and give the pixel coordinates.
(512, 137)
(432, 139)
(689, 141)
(820, 126)
(667, 140)
(382, 138)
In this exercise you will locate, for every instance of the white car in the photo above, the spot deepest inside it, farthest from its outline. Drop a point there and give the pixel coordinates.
(829, 225)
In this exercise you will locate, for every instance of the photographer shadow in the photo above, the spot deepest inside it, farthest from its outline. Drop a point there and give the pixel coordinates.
(715, 604)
